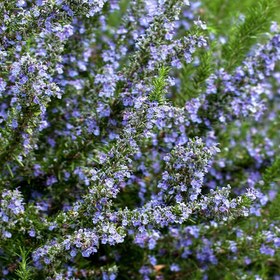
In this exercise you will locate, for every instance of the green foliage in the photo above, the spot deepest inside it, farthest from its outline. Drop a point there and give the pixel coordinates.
(193, 78)
(219, 13)
(24, 271)
(159, 86)
(244, 34)
(272, 174)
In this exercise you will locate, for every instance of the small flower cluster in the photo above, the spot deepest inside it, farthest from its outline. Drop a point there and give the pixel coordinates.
(186, 168)
(12, 209)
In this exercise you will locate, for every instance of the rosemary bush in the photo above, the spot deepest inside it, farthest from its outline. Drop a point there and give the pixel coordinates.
(139, 139)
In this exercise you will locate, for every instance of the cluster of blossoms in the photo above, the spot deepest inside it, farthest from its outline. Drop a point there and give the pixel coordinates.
(109, 165)
(12, 209)
(186, 168)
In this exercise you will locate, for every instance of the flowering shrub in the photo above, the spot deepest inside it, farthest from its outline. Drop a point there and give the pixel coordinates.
(139, 139)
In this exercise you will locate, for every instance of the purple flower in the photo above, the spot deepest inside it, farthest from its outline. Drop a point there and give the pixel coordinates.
(7, 234)
(3, 85)
(265, 250)
(32, 233)
(174, 267)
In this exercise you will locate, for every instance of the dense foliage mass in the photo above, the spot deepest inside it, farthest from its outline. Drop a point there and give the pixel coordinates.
(139, 139)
